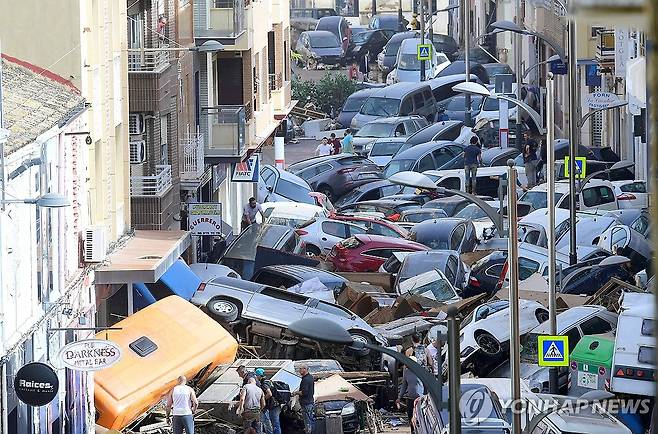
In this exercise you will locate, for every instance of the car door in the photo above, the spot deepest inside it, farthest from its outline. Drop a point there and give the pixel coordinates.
(457, 237)
(266, 182)
(333, 231)
(410, 127)
(277, 306)
(598, 197)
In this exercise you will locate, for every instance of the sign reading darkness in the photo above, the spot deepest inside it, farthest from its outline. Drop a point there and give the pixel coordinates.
(36, 384)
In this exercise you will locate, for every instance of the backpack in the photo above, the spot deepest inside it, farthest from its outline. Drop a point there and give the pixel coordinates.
(419, 353)
(280, 392)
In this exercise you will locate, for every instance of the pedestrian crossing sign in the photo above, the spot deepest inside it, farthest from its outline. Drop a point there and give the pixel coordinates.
(581, 167)
(553, 350)
(424, 51)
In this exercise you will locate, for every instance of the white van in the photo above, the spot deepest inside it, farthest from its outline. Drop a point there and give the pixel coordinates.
(633, 363)
(487, 179)
(596, 194)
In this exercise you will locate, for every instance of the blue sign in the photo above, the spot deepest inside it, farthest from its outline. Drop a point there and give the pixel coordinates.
(553, 350)
(558, 67)
(424, 52)
(592, 75)
(246, 171)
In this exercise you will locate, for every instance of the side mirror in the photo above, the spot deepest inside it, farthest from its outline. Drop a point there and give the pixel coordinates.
(485, 313)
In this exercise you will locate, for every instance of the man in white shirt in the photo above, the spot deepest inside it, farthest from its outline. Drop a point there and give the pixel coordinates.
(324, 148)
(252, 402)
(249, 213)
(182, 404)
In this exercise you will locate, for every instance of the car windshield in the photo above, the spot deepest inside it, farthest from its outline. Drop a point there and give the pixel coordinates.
(494, 70)
(395, 166)
(360, 37)
(295, 192)
(392, 48)
(324, 41)
(410, 62)
(377, 106)
(415, 265)
(354, 103)
(382, 149)
(492, 105)
(418, 217)
(529, 348)
(472, 212)
(374, 129)
(538, 199)
(458, 103)
(286, 221)
(432, 284)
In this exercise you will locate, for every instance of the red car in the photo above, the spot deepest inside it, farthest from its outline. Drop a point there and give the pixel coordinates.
(362, 253)
(374, 225)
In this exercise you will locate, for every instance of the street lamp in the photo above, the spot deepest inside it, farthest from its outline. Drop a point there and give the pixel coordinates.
(614, 105)
(48, 200)
(553, 58)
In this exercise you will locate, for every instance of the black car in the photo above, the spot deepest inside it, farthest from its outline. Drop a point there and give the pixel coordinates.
(455, 107)
(604, 153)
(494, 69)
(494, 157)
(446, 44)
(320, 46)
(287, 276)
(387, 58)
(485, 274)
(459, 67)
(588, 280)
(387, 22)
(443, 130)
(450, 204)
(369, 42)
(370, 191)
(446, 234)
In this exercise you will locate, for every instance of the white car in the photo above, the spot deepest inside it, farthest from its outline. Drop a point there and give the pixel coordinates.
(322, 234)
(490, 110)
(488, 327)
(432, 284)
(291, 214)
(631, 194)
(596, 194)
(408, 66)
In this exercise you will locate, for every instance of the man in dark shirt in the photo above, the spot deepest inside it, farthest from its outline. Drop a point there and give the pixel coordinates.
(472, 159)
(306, 400)
(246, 375)
(333, 141)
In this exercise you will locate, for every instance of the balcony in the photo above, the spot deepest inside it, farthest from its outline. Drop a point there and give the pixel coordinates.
(192, 164)
(224, 19)
(149, 61)
(152, 186)
(229, 131)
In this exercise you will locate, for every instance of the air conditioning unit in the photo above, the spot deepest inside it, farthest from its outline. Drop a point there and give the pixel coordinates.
(94, 244)
(137, 151)
(136, 124)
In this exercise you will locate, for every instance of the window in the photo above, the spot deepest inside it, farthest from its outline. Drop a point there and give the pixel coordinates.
(164, 139)
(647, 355)
(451, 133)
(574, 338)
(293, 191)
(335, 229)
(407, 107)
(266, 174)
(426, 163)
(274, 279)
(333, 310)
(595, 326)
(647, 327)
(451, 183)
(410, 127)
(418, 100)
(399, 130)
(456, 237)
(451, 269)
(314, 171)
(441, 156)
(379, 229)
(641, 225)
(389, 190)
(597, 196)
(284, 295)
(634, 187)
(532, 237)
(355, 229)
(563, 205)
(429, 98)
(290, 244)
(494, 270)
(379, 253)
(527, 267)
(617, 239)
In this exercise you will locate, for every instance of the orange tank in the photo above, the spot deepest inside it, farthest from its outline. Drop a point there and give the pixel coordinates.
(169, 338)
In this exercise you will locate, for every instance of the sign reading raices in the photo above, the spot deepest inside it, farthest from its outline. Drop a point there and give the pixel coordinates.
(36, 384)
(89, 355)
(205, 218)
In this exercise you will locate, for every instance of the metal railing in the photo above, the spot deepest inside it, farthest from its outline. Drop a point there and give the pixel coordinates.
(149, 61)
(276, 81)
(154, 185)
(228, 130)
(193, 164)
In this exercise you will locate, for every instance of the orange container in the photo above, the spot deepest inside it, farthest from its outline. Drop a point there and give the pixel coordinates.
(160, 342)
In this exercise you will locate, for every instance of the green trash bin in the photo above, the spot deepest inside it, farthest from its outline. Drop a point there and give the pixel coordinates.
(590, 364)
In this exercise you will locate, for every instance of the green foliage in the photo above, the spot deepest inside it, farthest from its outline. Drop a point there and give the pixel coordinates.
(330, 91)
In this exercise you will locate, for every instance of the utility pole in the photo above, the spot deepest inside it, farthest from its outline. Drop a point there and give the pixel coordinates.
(422, 37)
(513, 266)
(466, 31)
(573, 136)
(430, 30)
(374, 7)
(454, 372)
(518, 41)
(550, 177)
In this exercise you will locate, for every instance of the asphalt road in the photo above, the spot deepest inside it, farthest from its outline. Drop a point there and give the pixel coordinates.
(294, 152)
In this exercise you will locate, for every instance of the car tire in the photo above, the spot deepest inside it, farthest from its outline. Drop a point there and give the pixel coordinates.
(487, 343)
(326, 190)
(361, 337)
(224, 310)
(541, 315)
(312, 250)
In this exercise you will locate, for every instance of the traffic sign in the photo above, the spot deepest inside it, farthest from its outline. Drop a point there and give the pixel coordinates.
(581, 167)
(424, 52)
(553, 350)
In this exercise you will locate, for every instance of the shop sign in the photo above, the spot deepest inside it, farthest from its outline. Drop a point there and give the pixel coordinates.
(205, 218)
(36, 384)
(89, 355)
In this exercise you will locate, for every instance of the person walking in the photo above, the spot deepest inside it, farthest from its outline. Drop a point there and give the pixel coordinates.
(335, 143)
(324, 148)
(182, 404)
(272, 405)
(252, 402)
(306, 399)
(413, 388)
(249, 213)
(530, 160)
(472, 159)
(432, 353)
(265, 415)
(346, 144)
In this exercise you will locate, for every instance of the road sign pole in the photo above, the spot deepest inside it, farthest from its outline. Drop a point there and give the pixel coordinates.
(466, 31)
(513, 266)
(422, 37)
(550, 177)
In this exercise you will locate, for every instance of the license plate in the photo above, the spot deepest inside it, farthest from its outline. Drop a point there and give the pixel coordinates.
(588, 380)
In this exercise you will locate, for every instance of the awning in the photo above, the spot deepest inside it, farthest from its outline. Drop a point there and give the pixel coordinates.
(145, 257)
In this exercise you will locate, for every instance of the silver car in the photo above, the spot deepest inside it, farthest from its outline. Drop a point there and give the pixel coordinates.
(322, 234)
(228, 299)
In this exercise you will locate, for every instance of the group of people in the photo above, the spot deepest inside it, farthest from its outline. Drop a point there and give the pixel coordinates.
(333, 146)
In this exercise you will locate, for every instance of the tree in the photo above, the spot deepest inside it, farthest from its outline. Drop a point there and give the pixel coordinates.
(329, 92)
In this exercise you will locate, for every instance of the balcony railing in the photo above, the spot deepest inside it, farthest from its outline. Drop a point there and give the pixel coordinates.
(276, 81)
(155, 185)
(149, 61)
(228, 132)
(192, 164)
(227, 18)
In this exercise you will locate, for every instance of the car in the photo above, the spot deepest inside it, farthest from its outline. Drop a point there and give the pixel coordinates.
(276, 185)
(604, 153)
(207, 271)
(455, 107)
(291, 214)
(383, 150)
(583, 419)
(453, 131)
(485, 273)
(459, 67)
(320, 46)
(494, 69)
(374, 225)
(478, 55)
(370, 42)
(288, 276)
(596, 194)
(371, 191)
(397, 126)
(497, 156)
(399, 99)
(445, 44)
(443, 88)
(631, 193)
(387, 57)
(364, 253)
(428, 156)
(411, 217)
(336, 175)
(315, 13)
(589, 279)
(352, 106)
(240, 255)
(337, 25)
(574, 323)
(446, 234)
(487, 180)
(432, 285)
(588, 230)
(637, 219)
(243, 304)
(622, 240)
(416, 263)
(321, 234)
(490, 109)
(451, 205)
(389, 209)
(385, 21)
(484, 227)
(485, 334)
(407, 67)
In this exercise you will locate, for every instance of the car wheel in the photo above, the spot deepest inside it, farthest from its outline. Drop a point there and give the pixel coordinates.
(487, 343)
(541, 315)
(326, 190)
(360, 337)
(312, 250)
(224, 310)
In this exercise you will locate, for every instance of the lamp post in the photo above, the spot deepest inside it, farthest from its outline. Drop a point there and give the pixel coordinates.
(466, 28)
(550, 178)
(422, 37)
(553, 58)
